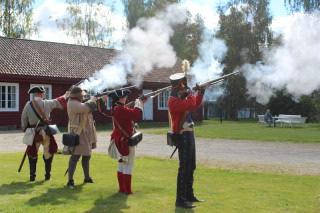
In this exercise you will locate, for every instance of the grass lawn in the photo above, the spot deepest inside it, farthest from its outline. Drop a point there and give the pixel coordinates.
(154, 189)
(239, 130)
(246, 130)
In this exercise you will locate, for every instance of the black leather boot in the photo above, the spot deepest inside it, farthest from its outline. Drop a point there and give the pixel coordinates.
(185, 205)
(33, 168)
(47, 163)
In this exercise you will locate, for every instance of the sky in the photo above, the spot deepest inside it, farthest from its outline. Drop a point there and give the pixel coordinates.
(46, 13)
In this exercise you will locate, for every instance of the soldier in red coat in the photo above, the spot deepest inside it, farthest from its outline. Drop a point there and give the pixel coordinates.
(123, 128)
(181, 103)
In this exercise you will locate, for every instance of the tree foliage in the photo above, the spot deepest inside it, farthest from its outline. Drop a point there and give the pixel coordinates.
(16, 18)
(306, 5)
(284, 103)
(88, 22)
(245, 29)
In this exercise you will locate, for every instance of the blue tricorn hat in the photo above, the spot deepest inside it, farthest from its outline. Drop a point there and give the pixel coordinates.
(36, 89)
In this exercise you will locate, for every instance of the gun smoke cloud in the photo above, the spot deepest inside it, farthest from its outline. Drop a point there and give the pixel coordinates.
(208, 65)
(147, 46)
(294, 65)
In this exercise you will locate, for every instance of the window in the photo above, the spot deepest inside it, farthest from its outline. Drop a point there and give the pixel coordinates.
(163, 100)
(47, 87)
(109, 103)
(9, 97)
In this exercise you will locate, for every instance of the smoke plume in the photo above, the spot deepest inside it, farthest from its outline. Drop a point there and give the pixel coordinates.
(208, 65)
(147, 46)
(294, 65)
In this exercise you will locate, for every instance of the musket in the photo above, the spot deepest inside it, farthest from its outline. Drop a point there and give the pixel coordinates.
(76, 84)
(152, 94)
(22, 161)
(113, 90)
(215, 81)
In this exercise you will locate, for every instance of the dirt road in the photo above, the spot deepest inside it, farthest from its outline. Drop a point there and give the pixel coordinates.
(282, 157)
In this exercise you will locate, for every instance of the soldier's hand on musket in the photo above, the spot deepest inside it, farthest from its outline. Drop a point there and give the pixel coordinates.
(104, 98)
(67, 94)
(200, 89)
(93, 98)
(139, 103)
(144, 99)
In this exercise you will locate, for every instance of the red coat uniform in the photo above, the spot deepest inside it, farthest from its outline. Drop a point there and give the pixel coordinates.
(178, 107)
(124, 116)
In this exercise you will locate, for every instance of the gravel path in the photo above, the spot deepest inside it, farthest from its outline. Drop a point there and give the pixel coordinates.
(282, 157)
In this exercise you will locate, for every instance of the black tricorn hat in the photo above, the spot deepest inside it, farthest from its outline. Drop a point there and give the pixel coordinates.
(36, 89)
(116, 95)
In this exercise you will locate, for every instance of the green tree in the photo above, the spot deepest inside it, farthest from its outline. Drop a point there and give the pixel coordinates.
(16, 18)
(88, 22)
(246, 32)
(134, 9)
(306, 5)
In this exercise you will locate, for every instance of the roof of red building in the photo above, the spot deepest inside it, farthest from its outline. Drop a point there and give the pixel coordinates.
(57, 60)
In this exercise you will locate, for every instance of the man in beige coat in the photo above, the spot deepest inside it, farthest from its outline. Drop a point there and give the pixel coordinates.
(81, 123)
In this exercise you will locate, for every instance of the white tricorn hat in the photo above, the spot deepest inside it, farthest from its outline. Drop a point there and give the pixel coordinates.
(177, 77)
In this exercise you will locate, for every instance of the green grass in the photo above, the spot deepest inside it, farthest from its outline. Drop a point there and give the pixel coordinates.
(154, 183)
(239, 130)
(246, 130)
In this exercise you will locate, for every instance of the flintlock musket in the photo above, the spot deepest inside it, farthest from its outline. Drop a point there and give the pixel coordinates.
(113, 90)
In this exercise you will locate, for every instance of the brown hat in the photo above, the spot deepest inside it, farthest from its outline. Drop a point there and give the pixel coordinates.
(76, 92)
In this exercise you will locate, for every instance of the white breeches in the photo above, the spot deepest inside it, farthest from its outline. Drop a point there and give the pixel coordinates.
(127, 166)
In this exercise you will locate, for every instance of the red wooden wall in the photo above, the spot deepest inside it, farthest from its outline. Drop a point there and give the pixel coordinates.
(59, 86)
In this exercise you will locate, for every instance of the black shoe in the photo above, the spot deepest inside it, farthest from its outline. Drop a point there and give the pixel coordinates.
(47, 177)
(185, 205)
(70, 184)
(32, 178)
(194, 199)
(89, 180)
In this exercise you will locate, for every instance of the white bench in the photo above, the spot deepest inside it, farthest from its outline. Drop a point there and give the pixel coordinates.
(261, 119)
(290, 120)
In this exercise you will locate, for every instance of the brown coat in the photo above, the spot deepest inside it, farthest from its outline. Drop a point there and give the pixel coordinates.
(81, 122)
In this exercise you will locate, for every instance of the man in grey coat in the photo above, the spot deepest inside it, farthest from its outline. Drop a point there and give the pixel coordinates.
(36, 114)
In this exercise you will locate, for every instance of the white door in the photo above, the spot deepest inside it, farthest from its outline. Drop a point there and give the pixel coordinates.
(148, 107)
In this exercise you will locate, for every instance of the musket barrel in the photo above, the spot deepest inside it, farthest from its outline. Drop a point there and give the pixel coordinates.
(217, 80)
(152, 94)
(111, 91)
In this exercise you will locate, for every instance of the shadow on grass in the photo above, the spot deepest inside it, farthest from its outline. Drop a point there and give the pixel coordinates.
(114, 203)
(56, 196)
(18, 187)
(178, 210)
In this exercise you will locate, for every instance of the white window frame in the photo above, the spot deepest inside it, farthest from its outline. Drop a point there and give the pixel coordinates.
(109, 102)
(161, 96)
(49, 86)
(6, 109)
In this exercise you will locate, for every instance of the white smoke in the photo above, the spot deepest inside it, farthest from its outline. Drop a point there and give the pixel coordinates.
(211, 52)
(147, 46)
(294, 65)
(208, 65)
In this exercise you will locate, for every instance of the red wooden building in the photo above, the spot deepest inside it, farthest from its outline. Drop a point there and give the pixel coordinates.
(56, 66)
